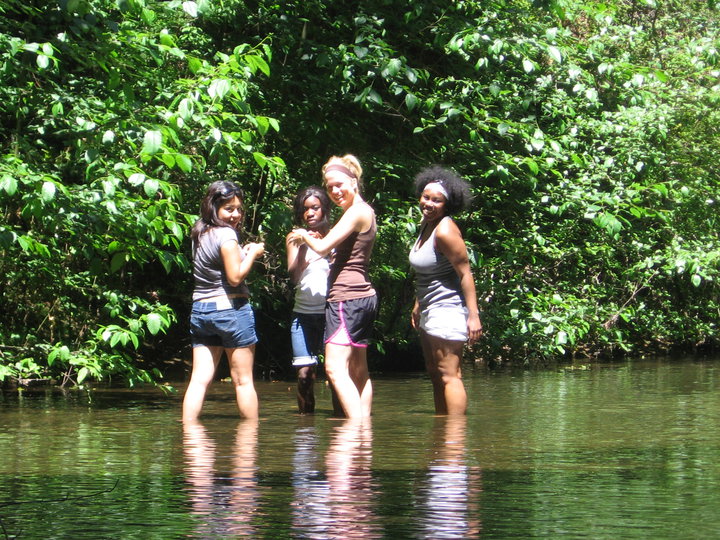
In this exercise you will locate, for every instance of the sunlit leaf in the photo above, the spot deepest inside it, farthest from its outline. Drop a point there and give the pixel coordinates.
(190, 8)
(151, 186)
(152, 142)
(47, 193)
(183, 162)
(154, 323)
(555, 53)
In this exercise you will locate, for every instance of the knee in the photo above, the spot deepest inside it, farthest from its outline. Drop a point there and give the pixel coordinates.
(201, 378)
(305, 376)
(333, 371)
(450, 378)
(243, 379)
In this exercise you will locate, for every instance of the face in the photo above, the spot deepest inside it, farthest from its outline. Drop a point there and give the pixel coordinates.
(341, 188)
(432, 204)
(231, 212)
(312, 213)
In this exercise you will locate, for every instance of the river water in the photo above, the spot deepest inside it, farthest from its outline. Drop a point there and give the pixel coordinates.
(628, 450)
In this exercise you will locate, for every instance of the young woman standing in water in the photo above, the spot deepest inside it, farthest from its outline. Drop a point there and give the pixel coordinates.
(309, 272)
(352, 302)
(221, 319)
(446, 311)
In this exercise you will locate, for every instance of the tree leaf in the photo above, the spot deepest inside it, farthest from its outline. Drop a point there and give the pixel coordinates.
(555, 53)
(183, 162)
(154, 323)
(190, 8)
(151, 186)
(118, 261)
(410, 101)
(152, 142)
(47, 193)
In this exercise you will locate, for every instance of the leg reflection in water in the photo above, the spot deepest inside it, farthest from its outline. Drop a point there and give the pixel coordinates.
(451, 490)
(223, 494)
(349, 476)
(310, 514)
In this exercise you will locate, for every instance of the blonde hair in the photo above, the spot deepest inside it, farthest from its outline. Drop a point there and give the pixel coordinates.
(349, 161)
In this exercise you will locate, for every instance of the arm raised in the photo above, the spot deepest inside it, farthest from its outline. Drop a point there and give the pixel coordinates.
(357, 218)
(236, 267)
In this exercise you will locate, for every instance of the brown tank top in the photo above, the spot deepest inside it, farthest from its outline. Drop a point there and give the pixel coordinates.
(348, 277)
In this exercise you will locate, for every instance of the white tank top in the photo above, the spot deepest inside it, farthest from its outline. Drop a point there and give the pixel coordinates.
(311, 290)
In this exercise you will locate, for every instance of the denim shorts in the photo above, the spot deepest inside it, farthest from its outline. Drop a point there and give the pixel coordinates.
(306, 335)
(230, 328)
(445, 322)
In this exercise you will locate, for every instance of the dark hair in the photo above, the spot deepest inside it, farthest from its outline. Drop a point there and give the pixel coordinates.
(218, 193)
(305, 194)
(458, 190)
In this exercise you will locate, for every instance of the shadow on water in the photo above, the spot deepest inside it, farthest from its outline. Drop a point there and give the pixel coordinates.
(627, 450)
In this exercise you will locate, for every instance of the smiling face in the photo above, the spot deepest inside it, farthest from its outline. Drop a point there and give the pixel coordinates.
(432, 204)
(231, 212)
(313, 213)
(341, 188)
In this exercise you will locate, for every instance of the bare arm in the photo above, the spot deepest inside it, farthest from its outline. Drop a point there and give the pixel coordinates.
(237, 268)
(415, 315)
(451, 244)
(296, 258)
(357, 218)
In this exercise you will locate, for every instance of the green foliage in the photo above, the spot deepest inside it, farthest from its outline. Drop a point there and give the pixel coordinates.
(588, 131)
(108, 126)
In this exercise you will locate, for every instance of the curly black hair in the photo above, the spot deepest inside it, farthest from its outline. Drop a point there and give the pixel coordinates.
(458, 190)
(303, 195)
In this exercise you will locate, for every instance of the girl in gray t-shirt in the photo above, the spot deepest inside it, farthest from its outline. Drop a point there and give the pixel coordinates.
(222, 320)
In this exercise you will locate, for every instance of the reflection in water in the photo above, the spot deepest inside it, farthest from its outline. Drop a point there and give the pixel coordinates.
(310, 514)
(223, 505)
(349, 476)
(450, 492)
(633, 454)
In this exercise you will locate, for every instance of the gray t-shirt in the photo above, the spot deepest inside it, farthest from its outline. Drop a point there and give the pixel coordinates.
(208, 269)
(437, 282)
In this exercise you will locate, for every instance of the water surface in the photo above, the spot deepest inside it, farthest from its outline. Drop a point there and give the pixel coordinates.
(629, 450)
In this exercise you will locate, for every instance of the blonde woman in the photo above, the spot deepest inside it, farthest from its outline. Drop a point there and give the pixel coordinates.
(352, 302)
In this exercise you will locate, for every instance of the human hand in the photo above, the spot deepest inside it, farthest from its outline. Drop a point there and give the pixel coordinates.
(254, 249)
(415, 316)
(297, 236)
(474, 327)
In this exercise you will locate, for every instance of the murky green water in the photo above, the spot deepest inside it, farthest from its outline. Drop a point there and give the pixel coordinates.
(622, 451)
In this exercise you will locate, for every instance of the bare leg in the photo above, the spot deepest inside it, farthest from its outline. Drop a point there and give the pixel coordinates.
(442, 360)
(205, 361)
(337, 366)
(241, 372)
(305, 389)
(360, 375)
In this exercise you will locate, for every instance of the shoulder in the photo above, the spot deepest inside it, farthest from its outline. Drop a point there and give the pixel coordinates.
(364, 212)
(223, 235)
(447, 229)
(360, 215)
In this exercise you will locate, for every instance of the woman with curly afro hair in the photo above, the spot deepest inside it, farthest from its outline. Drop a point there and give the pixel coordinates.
(446, 310)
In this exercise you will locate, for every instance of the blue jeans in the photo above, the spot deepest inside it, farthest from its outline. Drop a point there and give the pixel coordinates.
(306, 335)
(230, 328)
